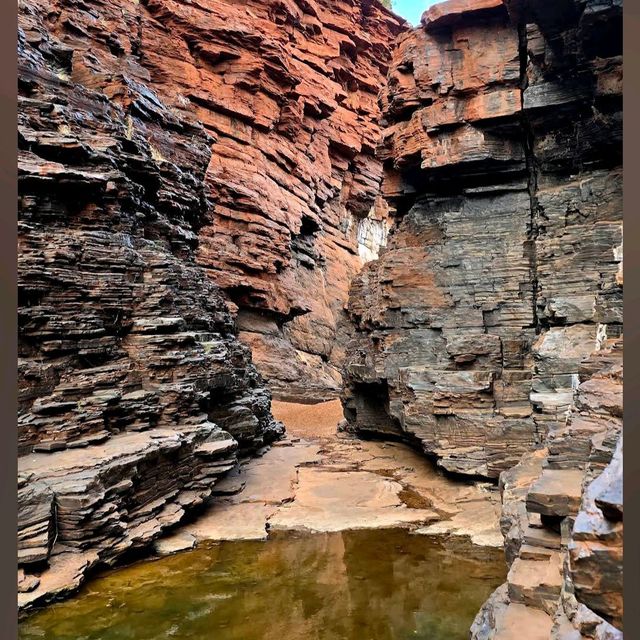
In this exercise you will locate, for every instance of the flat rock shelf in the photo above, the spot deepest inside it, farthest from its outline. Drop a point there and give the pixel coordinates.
(320, 480)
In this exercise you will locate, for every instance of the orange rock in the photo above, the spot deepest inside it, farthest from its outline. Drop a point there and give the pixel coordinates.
(447, 13)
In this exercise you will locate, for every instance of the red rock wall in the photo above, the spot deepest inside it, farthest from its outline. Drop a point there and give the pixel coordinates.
(134, 391)
(120, 328)
(170, 151)
(289, 92)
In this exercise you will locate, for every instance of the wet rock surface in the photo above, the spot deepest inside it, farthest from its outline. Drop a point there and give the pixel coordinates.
(319, 480)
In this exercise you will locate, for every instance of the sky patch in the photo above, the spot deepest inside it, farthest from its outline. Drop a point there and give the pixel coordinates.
(412, 10)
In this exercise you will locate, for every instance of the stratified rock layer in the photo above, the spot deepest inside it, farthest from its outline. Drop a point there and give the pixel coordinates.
(289, 92)
(180, 164)
(562, 522)
(488, 331)
(134, 391)
(502, 271)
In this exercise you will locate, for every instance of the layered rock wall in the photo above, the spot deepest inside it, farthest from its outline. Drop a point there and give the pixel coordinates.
(288, 89)
(562, 521)
(195, 176)
(182, 166)
(502, 272)
(489, 330)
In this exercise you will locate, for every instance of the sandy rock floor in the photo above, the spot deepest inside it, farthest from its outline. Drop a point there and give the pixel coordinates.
(314, 480)
(319, 480)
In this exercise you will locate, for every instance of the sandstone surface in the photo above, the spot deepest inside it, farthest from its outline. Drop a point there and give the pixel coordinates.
(289, 92)
(321, 480)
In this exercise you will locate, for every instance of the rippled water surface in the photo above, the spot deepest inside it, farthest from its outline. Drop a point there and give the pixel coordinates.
(354, 585)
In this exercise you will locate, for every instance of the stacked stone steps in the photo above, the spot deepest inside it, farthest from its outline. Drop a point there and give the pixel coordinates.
(531, 552)
(562, 510)
(535, 579)
(541, 537)
(556, 493)
(502, 619)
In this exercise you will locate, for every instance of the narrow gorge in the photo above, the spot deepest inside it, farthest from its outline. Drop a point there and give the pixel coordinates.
(326, 303)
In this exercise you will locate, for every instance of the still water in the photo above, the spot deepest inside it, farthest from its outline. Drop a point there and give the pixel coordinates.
(353, 585)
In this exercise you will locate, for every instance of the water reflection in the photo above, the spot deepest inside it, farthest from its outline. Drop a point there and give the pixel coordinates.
(354, 585)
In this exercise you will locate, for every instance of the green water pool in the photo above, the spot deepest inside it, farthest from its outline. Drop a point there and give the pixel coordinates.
(353, 585)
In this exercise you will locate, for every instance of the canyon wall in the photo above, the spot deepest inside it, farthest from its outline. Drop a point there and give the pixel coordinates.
(199, 181)
(488, 333)
(179, 164)
(289, 91)
(503, 268)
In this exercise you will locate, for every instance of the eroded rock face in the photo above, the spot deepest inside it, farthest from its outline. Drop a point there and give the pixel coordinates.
(562, 521)
(134, 391)
(488, 331)
(182, 166)
(289, 91)
(503, 268)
